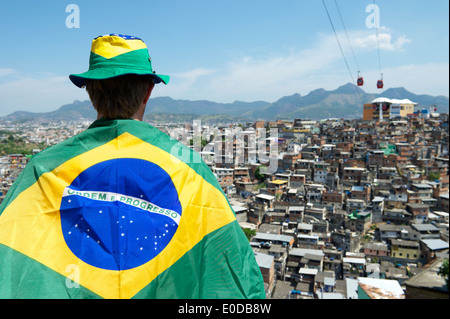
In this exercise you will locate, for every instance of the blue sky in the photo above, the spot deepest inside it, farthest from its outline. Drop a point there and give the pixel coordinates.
(223, 51)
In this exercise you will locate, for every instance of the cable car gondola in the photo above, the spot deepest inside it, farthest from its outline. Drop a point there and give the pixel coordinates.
(360, 81)
(380, 84)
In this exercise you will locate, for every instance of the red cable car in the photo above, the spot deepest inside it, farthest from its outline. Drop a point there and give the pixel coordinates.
(380, 84)
(360, 81)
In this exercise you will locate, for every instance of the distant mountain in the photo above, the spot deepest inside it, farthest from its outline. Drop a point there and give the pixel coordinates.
(423, 100)
(159, 108)
(344, 102)
(76, 110)
(169, 105)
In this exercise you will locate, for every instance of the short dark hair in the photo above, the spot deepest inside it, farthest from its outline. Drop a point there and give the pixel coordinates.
(119, 97)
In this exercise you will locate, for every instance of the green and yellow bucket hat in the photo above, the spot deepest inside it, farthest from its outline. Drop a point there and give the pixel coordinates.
(114, 55)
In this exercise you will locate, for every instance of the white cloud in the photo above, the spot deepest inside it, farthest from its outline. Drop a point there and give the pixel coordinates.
(385, 41)
(270, 77)
(428, 78)
(37, 94)
(266, 77)
(181, 84)
(6, 71)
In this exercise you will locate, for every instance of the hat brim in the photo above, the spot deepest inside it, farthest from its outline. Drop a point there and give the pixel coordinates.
(102, 74)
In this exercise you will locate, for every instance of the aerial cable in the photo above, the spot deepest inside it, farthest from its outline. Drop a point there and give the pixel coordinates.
(380, 82)
(337, 39)
(346, 33)
(378, 49)
(340, 47)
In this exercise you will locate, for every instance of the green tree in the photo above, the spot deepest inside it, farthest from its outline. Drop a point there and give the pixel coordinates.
(433, 175)
(249, 233)
(443, 270)
(203, 142)
(258, 175)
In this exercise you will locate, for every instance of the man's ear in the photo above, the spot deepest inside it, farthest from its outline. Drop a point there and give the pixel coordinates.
(149, 93)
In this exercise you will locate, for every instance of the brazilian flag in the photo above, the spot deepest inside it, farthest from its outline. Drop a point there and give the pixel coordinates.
(121, 210)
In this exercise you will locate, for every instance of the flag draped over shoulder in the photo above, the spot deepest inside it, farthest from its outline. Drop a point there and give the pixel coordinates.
(122, 211)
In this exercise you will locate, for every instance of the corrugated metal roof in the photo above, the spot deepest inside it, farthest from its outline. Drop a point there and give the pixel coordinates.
(308, 271)
(264, 260)
(264, 196)
(435, 244)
